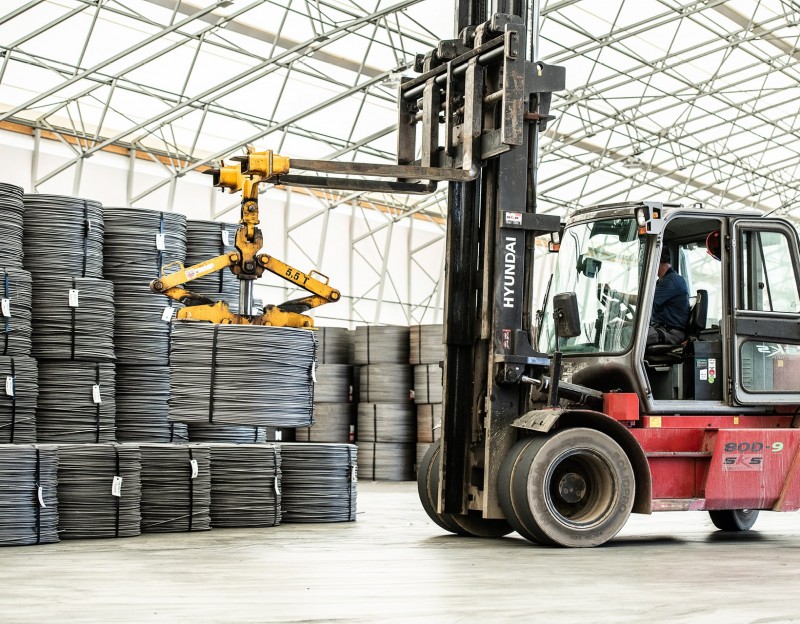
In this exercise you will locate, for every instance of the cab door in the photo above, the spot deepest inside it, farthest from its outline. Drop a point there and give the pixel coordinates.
(766, 312)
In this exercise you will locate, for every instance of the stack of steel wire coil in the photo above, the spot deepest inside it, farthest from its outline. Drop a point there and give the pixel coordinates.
(245, 485)
(28, 501)
(11, 210)
(99, 490)
(318, 482)
(176, 488)
(206, 240)
(18, 400)
(426, 355)
(227, 434)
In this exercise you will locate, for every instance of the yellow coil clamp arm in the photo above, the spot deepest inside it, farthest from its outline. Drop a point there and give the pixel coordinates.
(246, 263)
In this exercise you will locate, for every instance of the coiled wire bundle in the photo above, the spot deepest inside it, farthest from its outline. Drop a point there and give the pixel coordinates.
(333, 345)
(176, 488)
(68, 242)
(331, 424)
(141, 399)
(421, 449)
(15, 312)
(142, 325)
(334, 383)
(28, 502)
(227, 434)
(11, 209)
(208, 384)
(99, 490)
(245, 485)
(386, 461)
(425, 344)
(76, 402)
(206, 240)
(428, 379)
(429, 422)
(386, 422)
(318, 482)
(386, 344)
(18, 397)
(385, 383)
(73, 318)
(139, 243)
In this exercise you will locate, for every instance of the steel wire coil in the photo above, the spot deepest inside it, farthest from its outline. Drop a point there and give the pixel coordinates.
(142, 332)
(245, 485)
(28, 500)
(19, 391)
(385, 383)
(176, 488)
(139, 243)
(68, 410)
(206, 240)
(207, 384)
(73, 318)
(227, 434)
(11, 211)
(426, 344)
(334, 383)
(332, 423)
(318, 482)
(429, 422)
(88, 477)
(386, 344)
(141, 399)
(15, 315)
(428, 380)
(334, 345)
(386, 422)
(68, 241)
(422, 448)
(385, 461)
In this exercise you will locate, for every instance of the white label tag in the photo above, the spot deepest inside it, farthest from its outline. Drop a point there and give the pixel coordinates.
(195, 469)
(161, 243)
(116, 487)
(73, 297)
(10, 386)
(96, 394)
(166, 315)
(226, 240)
(278, 435)
(513, 218)
(354, 470)
(5, 307)
(40, 496)
(314, 371)
(277, 486)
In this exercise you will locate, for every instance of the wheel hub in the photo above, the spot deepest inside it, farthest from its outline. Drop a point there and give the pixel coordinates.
(572, 487)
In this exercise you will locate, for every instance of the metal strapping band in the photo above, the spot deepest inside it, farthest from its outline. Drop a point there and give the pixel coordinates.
(97, 405)
(72, 311)
(160, 252)
(374, 438)
(7, 319)
(36, 481)
(213, 375)
(191, 491)
(86, 228)
(116, 521)
(13, 400)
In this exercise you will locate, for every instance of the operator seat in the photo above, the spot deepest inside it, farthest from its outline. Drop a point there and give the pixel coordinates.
(667, 355)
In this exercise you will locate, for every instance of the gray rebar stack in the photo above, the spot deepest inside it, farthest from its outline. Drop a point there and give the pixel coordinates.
(226, 434)
(176, 488)
(206, 240)
(139, 244)
(28, 501)
(99, 490)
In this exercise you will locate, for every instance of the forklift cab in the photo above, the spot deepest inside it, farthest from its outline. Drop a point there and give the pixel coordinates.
(741, 350)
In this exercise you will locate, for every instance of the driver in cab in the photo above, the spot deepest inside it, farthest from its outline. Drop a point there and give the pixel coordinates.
(670, 304)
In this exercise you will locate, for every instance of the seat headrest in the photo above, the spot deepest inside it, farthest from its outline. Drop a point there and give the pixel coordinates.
(699, 313)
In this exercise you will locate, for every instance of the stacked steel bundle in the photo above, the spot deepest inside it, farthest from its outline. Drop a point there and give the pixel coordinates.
(206, 240)
(72, 319)
(426, 355)
(333, 389)
(139, 245)
(386, 424)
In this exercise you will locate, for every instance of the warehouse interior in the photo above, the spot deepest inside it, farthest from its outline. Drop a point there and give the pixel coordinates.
(350, 435)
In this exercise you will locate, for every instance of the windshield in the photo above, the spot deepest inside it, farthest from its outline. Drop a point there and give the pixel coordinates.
(601, 263)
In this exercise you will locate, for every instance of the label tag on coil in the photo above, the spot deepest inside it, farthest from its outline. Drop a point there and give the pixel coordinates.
(40, 496)
(354, 473)
(96, 394)
(10, 386)
(166, 315)
(73, 297)
(226, 239)
(278, 435)
(195, 469)
(277, 486)
(116, 486)
(314, 371)
(5, 307)
(161, 242)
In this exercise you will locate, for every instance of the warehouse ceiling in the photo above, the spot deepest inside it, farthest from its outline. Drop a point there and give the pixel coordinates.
(667, 99)
(672, 100)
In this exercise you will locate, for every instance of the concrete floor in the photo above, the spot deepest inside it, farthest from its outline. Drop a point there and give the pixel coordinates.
(393, 565)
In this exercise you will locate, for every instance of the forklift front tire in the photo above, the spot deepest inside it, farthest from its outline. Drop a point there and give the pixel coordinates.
(734, 519)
